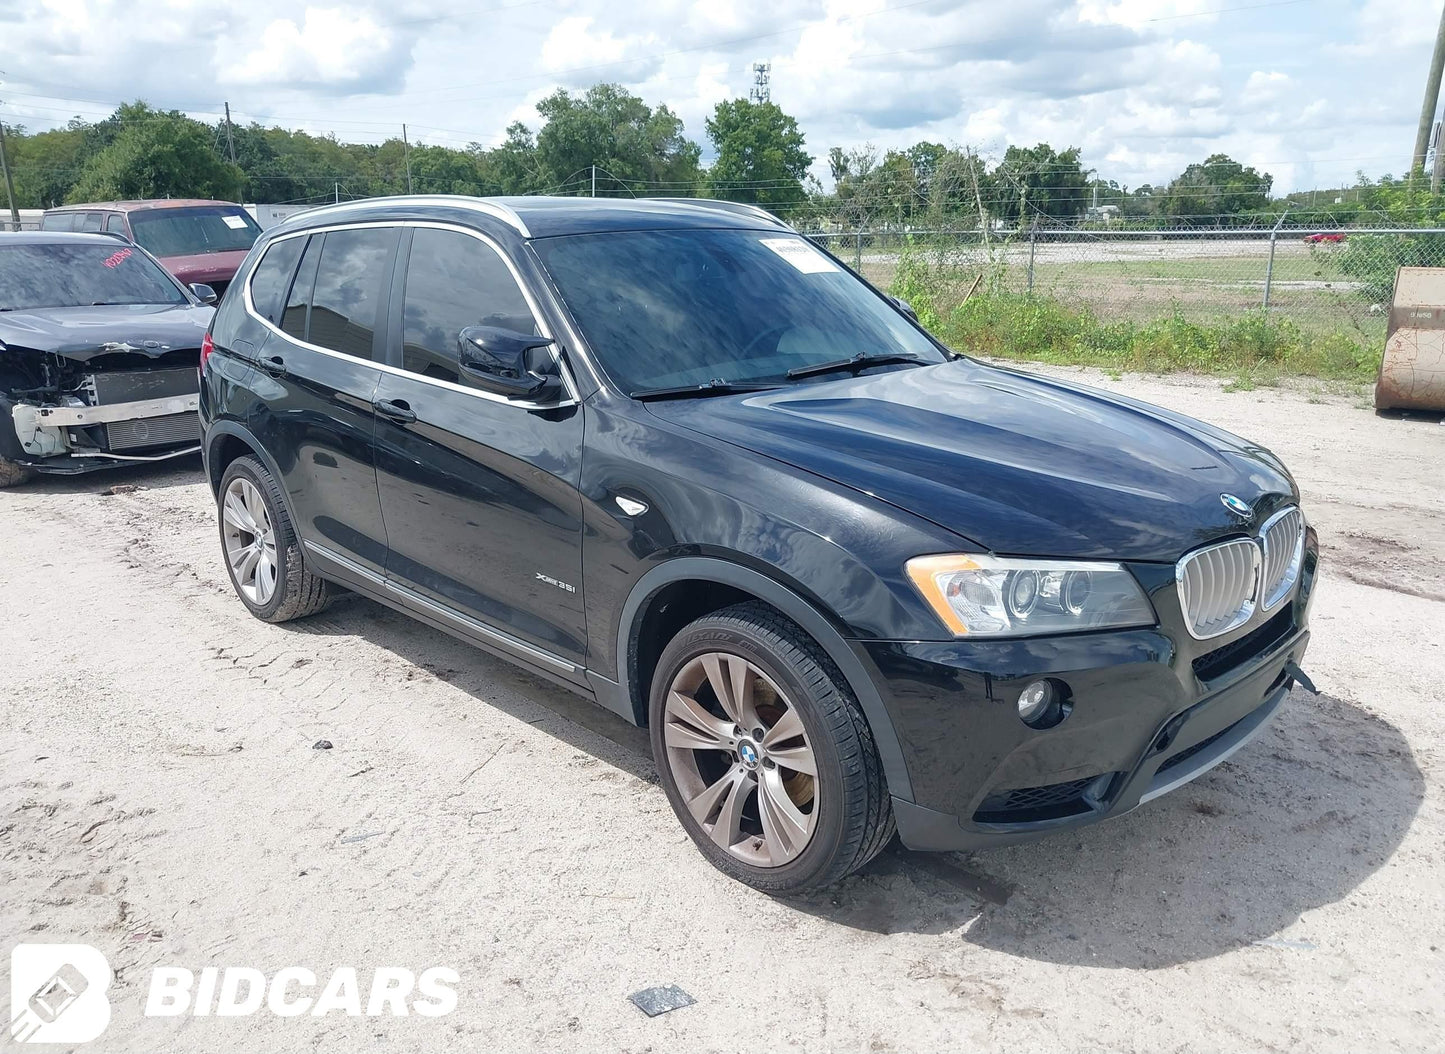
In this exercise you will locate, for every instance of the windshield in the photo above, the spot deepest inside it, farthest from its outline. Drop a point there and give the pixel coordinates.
(194, 229)
(668, 308)
(79, 275)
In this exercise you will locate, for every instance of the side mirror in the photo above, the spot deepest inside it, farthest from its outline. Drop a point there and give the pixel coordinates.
(204, 293)
(905, 307)
(498, 360)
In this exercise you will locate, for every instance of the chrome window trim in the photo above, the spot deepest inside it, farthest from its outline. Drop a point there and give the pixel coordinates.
(496, 210)
(571, 398)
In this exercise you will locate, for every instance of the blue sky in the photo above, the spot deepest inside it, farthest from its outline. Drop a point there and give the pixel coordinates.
(1309, 90)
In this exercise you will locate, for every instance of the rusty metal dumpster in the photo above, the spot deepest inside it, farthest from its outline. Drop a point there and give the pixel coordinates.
(1412, 373)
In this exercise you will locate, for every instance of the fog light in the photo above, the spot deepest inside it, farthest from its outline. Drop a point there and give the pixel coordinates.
(1043, 704)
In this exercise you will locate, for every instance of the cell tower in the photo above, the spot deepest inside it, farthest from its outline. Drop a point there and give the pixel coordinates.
(759, 93)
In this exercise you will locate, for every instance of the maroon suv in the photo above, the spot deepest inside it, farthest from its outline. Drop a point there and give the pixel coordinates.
(196, 240)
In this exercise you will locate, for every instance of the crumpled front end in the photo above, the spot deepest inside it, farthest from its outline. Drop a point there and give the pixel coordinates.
(101, 407)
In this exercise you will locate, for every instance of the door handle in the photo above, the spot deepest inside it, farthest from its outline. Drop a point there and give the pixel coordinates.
(275, 365)
(394, 410)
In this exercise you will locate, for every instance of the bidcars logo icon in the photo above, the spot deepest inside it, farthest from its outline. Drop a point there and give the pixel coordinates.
(57, 993)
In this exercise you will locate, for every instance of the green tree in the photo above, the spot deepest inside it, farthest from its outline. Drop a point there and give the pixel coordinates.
(1219, 191)
(636, 149)
(157, 155)
(760, 155)
(511, 168)
(1037, 184)
(45, 166)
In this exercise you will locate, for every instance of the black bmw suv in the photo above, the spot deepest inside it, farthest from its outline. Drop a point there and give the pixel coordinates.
(674, 457)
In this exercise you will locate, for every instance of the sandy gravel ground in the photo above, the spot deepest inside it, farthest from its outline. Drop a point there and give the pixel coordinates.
(160, 799)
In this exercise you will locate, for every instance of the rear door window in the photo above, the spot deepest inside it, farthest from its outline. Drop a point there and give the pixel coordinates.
(454, 281)
(115, 223)
(272, 278)
(347, 299)
(91, 222)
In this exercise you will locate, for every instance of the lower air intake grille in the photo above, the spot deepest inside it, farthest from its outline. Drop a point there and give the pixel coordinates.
(1049, 802)
(153, 431)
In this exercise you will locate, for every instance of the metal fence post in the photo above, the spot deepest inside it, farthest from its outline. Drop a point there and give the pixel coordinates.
(858, 250)
(1269, 267)
(1033, 245)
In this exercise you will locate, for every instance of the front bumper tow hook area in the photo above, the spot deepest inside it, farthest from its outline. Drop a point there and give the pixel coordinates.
(1300, 678)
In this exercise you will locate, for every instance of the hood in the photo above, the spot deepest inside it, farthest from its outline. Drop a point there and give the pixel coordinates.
(1020, 465)
(82, 333)
(204, 267)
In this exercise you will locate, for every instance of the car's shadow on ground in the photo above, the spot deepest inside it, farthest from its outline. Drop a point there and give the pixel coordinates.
(1299, 819)
(151, 475)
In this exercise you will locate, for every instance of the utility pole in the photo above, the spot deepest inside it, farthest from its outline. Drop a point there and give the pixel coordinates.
(9, 184)
(406, 153)
(1432, 99)
(1438, 168)
(230, 140)
(978, 197)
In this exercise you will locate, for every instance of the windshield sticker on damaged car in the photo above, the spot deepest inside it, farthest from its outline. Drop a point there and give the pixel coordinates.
(801, 255)
(116, 258)
(236, 223)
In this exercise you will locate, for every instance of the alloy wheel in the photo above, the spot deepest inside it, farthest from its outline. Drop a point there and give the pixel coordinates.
(250, 540)
(741, 758)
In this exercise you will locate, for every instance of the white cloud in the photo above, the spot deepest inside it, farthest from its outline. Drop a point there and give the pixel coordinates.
(1309, 91)
(331, 46)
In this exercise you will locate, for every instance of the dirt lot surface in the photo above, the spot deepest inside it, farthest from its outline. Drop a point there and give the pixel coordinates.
(160, 798)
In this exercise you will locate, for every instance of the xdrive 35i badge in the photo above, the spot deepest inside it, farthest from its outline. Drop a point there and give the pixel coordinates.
(1238, 506)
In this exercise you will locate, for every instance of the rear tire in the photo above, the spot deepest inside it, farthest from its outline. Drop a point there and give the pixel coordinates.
(12, 475)
(748, 801)
(260, 547)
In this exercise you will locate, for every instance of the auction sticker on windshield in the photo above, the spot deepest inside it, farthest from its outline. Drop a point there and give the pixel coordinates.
(236, 223)
(801, 255)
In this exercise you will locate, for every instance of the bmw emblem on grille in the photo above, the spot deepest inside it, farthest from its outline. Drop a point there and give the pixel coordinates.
(1238, 506)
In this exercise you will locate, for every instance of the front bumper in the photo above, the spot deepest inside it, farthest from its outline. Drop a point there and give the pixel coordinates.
(73, 439)
(1152, 710)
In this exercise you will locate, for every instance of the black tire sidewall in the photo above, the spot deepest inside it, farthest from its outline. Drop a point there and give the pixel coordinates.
(727, 635)
(255, 472)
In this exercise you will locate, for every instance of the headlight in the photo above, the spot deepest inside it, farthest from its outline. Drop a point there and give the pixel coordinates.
(989, 596)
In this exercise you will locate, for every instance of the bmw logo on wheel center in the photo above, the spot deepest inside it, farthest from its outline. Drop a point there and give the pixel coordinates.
(1238, 506)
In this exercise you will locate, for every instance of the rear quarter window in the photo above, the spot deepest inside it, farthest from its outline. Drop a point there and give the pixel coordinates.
(272, 278)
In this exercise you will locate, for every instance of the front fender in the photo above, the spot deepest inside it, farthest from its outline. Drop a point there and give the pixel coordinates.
(812, 621)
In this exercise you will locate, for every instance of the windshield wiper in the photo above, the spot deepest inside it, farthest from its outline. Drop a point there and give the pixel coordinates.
(697, 391)
(854, 362)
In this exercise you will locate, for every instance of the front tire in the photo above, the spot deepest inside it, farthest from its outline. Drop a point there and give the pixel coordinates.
(262, 552)
(764, 753)
(12, 475)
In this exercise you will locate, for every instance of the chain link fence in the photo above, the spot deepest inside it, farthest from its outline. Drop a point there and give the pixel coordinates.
(1324, 281)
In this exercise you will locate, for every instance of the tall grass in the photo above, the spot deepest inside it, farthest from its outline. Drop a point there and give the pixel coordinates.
(1002, 322)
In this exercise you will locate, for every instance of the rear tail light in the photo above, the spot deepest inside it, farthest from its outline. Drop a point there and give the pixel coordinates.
(207, 346)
